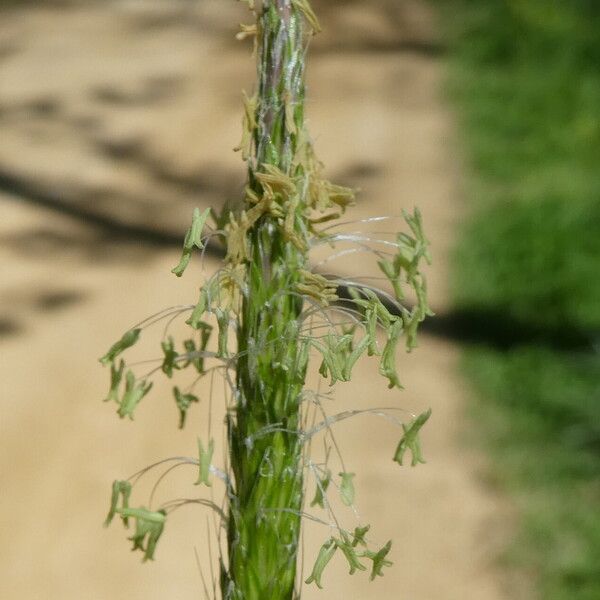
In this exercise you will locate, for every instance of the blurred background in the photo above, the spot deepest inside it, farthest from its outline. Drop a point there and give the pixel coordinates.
(118, 117)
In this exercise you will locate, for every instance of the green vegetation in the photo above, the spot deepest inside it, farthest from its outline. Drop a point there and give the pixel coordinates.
(282, 313)
(526, 81)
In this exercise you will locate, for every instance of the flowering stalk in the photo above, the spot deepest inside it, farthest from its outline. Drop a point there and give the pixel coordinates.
(267, 494)
(268, 294)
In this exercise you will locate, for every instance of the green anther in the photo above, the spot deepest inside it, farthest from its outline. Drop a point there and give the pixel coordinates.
(322, 485)
(122, 490)
(116, 376)
(349, 552)
(149, 526)
(170, 357)
(354, 355)
(193, 238)
(347, 488)
(134, 392)
(393, 271)
(204, 460)
(325, 555)
(387, 366)
(358, 537)
(129, 339)
(183, 402)
(379, 560)
(410, 440)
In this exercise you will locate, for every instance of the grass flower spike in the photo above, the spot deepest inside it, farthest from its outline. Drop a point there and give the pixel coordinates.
(285, 316)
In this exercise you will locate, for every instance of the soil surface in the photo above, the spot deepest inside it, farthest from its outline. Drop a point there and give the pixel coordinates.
(116, 118)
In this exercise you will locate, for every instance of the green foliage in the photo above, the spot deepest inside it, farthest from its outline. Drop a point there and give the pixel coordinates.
(525, 76)
(536, 262)
(527, 81)
(541, 411)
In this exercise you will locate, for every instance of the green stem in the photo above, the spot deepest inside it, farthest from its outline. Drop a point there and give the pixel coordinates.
(267, 490)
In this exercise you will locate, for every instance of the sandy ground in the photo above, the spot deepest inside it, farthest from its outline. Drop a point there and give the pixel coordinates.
(115, 120)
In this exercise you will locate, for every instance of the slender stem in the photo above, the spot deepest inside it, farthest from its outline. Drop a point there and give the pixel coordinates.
(267, 487)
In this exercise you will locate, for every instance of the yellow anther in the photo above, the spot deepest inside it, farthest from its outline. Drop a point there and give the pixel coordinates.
(305, 8)
(277, 180)
(248, 125)
(246, 31)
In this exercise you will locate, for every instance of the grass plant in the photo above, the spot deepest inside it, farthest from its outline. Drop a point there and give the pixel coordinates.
(525, 79)
(283, 313)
